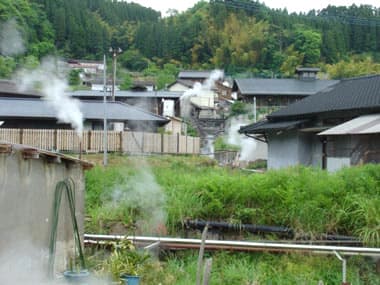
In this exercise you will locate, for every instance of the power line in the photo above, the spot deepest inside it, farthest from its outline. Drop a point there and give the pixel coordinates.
(257, 7)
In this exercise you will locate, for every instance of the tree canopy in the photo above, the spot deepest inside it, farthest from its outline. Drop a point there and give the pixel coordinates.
(238, 36)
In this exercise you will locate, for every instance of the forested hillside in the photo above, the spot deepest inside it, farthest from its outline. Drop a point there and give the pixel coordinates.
(236, 35)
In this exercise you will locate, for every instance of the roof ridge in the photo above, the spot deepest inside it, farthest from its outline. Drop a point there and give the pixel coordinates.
(360, 77)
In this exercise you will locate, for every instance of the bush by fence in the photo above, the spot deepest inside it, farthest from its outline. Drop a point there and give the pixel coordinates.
(92, 141)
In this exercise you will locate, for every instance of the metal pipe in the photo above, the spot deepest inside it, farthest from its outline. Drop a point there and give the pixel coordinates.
(199, 224)
(344, 267)
(246, 245)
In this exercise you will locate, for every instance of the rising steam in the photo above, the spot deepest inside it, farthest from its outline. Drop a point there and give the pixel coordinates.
(199, 90)
(11, 42)
(143, 194)
(52, 82)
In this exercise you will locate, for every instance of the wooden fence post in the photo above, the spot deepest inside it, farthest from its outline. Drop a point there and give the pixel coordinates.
(162, 143)
(89, 138)
(55, 140)
(121, 141)
(177, 142)
(21, 136)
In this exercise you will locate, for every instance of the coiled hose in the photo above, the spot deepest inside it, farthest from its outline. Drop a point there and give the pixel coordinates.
(67, 186)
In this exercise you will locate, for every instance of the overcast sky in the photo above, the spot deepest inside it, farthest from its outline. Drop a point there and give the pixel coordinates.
(291, 5)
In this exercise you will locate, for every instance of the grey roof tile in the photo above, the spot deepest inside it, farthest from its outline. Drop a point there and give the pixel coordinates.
(260, 86)
(92, 110)
(126, 94)
(350, 94)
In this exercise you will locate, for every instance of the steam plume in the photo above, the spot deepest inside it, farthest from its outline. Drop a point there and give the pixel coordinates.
(248, 145)
(144, 194)
(199, 90)
(53, 85)
(11, 42)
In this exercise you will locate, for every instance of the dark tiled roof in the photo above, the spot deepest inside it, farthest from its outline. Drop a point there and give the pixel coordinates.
(189, 74)
(259, 86)
(127, 94)
(8, 87)
(350, 94)
(263, 126)
(307, 69)
(92, 110)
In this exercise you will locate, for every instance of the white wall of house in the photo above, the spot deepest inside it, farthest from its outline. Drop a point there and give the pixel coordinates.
(293, 148)
(336, 163)
(168, 109)
(282, 150)
(204, 98)
(177, 87)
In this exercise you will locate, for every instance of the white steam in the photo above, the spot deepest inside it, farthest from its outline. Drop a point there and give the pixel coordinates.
(11, 42)
(248, 145)
(144, 194)
(199, 90)
(53, 84)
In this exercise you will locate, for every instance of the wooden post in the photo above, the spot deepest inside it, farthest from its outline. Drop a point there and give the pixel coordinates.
(177, 142)
(162, 143)
(121, 141)
(89, 134)
(55, 140)
(21, 136)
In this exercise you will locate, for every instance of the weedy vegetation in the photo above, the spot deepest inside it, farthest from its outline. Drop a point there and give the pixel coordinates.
(310, 201)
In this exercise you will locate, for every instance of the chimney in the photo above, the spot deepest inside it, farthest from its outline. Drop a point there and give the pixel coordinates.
(307, 73)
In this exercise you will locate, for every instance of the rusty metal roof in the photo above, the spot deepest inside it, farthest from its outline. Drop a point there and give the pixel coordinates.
(30, 152)
(368, 124)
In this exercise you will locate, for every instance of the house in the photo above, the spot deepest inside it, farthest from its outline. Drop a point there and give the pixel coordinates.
(36, 113)
(180, 85)
(9, 89)
(88, 66)
(194, 76)
(337, 127)
(29, 177)
(143, 85)
(272, 94)
(176, 126)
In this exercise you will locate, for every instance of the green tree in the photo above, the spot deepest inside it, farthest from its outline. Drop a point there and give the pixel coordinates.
(74, 78)
(7, 66)
(308, 43)
(133, 60)
(127, 82)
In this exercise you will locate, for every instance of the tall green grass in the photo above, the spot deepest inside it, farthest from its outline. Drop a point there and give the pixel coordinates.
(311, 201)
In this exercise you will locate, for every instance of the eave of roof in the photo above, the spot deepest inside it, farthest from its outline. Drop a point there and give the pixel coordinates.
(6, 147)
(355, 94)
(265, 126)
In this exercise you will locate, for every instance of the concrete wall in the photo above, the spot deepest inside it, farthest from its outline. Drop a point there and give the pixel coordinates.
(282, 150)
(27, 189)
(292, 148)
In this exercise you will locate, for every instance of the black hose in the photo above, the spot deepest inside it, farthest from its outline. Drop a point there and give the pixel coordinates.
(278, 230)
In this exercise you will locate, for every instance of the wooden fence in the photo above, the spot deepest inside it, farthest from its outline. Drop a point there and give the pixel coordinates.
(92, 141)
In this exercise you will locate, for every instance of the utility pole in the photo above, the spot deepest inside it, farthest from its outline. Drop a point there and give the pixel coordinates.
(105, 140)
(115, 52)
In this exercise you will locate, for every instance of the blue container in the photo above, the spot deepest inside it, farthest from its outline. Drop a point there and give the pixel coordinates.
(130, 279)
(76, 277)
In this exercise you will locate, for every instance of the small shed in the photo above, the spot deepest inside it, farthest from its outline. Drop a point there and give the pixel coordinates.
(28, 180)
